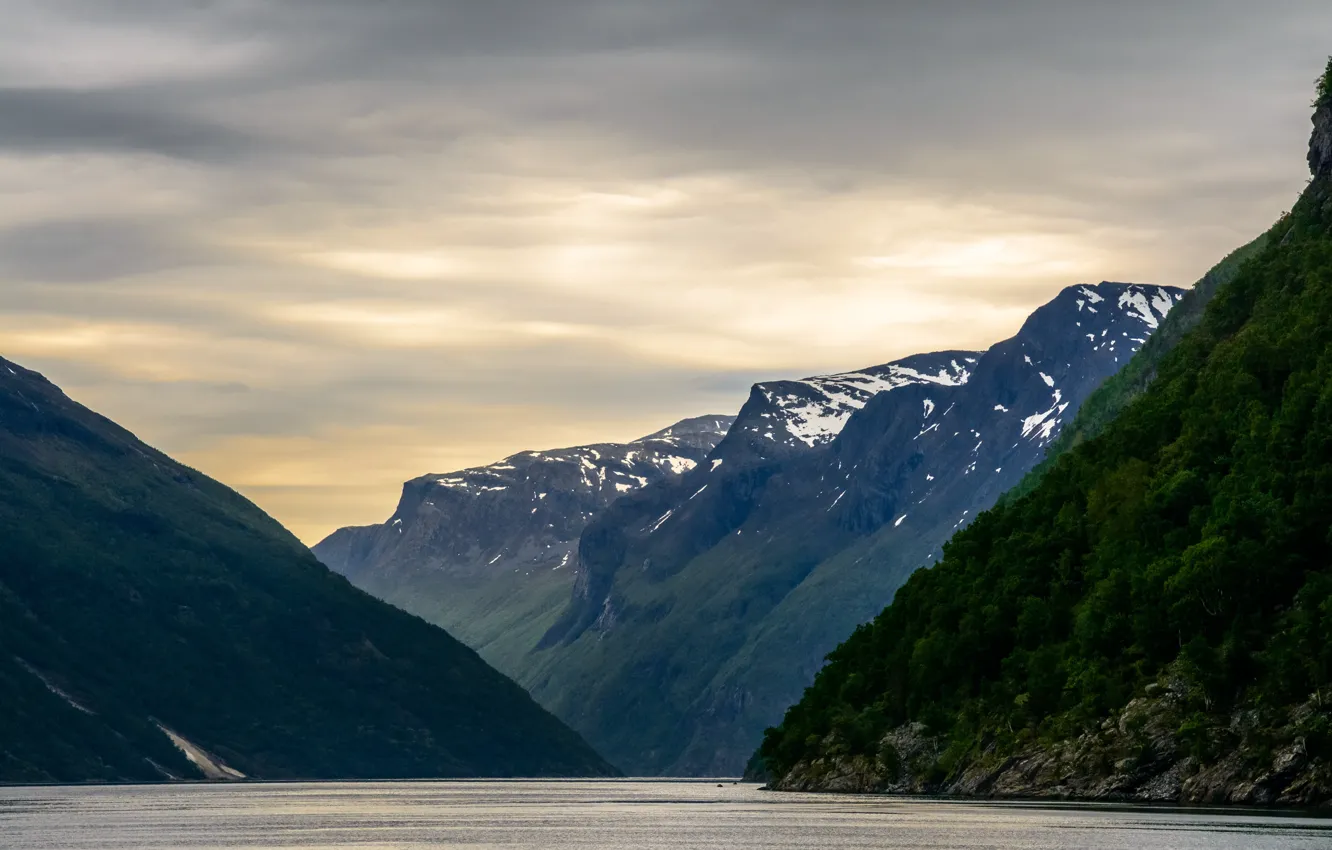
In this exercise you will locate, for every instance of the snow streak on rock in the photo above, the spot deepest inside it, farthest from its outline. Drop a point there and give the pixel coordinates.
(1118, 332)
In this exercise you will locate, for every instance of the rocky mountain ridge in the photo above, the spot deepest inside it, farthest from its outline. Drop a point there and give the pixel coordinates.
(488, 552)
(522, 512)
(785, 417)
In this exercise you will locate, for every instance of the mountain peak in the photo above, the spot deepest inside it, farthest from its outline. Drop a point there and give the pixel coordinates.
(1145, 304)
(709, 428)
(782, 417)
(515, 517)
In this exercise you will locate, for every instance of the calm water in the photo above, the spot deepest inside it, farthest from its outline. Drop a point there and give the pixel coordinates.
(609, 814)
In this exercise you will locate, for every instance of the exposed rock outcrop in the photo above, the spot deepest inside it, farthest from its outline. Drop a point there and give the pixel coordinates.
(1320, 142)
(1153, 750)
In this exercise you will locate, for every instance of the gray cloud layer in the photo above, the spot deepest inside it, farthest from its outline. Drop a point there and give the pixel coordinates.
(319, 246)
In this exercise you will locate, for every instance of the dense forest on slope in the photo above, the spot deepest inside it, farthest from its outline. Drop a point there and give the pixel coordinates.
(1179, 556)
(139, 596)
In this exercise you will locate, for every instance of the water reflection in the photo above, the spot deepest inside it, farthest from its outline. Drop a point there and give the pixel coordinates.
(654, 815)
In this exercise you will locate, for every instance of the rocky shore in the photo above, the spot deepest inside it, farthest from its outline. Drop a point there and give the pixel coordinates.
(1152, 751)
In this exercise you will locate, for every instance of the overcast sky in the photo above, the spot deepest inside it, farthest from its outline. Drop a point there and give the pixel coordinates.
(317, 247)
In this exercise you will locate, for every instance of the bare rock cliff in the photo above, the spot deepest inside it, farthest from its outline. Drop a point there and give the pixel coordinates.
(1320, 142)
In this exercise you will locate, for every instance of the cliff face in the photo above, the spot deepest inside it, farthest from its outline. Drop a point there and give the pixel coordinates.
(1320, 142)
(488, 553)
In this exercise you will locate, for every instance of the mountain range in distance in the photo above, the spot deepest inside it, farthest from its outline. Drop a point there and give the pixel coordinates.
(490, 553)
(670, 614)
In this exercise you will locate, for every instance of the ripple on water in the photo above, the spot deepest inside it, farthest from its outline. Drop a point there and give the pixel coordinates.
(665, 814)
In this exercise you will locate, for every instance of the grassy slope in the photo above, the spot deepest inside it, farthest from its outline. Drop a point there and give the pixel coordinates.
(150, 592)
(502, 617)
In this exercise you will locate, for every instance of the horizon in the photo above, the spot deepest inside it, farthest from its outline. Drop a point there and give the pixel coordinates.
(317, 251)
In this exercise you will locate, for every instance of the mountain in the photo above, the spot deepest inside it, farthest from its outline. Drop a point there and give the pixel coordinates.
(154, 624)
(670, 620)
(782, 418)
(1152, 618)
(671, 617)
(1125, 385)
(485, 552)
(703, 605)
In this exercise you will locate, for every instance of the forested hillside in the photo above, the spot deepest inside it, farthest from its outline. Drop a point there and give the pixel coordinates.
(1153, 619)
(156, 625)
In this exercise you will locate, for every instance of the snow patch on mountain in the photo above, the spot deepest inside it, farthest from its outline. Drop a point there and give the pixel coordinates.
(618, 468)
(1128, 315)
(521, 513)
(817, 416)
(811, 412)
(1150, 310)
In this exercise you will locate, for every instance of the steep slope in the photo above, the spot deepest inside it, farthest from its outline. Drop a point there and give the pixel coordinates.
(155, 624)
(1111, 397)
(1153, 620)
(485, 552)
(704, 605)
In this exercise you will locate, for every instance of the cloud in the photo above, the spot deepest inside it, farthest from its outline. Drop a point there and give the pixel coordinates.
(95, 250)
(321, 246)
(43, 121)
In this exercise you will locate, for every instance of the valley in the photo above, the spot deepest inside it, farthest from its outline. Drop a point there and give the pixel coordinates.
(671, 624)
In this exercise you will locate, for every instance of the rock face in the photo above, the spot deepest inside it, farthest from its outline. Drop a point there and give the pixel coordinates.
(523, 512)
(1320, 142)
(487, 552)
(705, 604)
(1151, 751)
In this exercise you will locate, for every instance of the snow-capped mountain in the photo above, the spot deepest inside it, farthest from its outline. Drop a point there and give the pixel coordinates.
(670, 617)
(508, 529)
(526, 510)
(766, 561)
(1027, 388)
(782, 417)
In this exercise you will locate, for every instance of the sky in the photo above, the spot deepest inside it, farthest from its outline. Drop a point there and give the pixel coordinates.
(317, 247)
